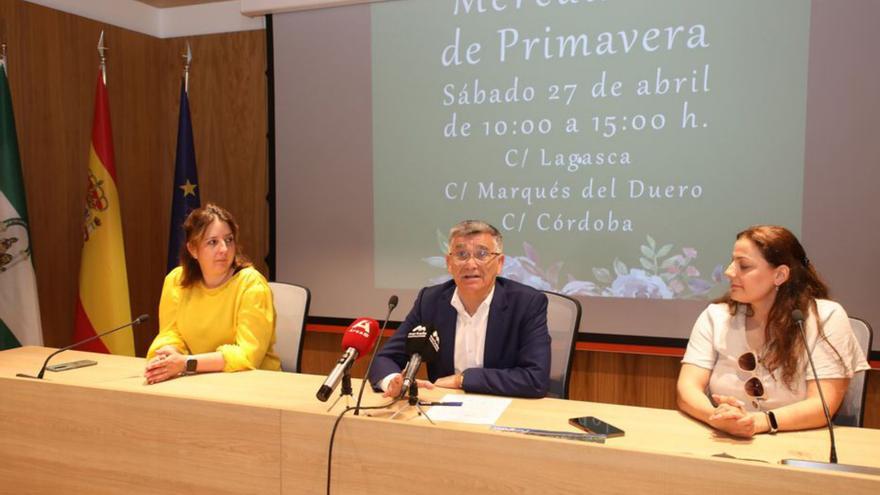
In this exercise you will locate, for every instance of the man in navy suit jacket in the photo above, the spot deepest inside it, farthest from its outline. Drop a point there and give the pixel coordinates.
(493, 331)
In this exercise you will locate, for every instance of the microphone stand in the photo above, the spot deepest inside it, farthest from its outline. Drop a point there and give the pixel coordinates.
(413, 401)
(832, 465)
(392, 303)
(833, 452)
(137, 321)
(345, 390)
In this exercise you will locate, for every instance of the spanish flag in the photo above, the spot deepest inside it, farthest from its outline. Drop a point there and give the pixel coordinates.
(103, 301)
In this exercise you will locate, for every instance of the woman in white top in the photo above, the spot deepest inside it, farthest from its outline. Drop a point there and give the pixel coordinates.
(746, 349)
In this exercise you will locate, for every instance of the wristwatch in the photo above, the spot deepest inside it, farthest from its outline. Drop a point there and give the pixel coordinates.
(771, 420)
(191, 365)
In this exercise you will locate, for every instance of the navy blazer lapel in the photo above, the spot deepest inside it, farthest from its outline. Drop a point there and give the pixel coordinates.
(446, 319)
(497, 327)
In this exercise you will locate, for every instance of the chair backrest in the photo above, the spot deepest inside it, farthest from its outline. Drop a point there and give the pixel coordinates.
(852, 409)
(563, 320)
(291, 310)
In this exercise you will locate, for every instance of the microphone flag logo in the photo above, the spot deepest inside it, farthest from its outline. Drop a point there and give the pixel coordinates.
(362, 328)
(434, 340)
(419, 332)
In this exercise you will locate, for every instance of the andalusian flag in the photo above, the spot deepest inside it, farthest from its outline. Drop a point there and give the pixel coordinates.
(19, 307)
(103, 282)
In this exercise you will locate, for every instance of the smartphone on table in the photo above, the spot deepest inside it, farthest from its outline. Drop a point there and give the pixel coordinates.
(591, 424)
(72, 365)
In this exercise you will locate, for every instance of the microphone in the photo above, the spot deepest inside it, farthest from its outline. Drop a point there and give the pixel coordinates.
(798, 317)
(423, 346)
(392, 303)
(137, 321)
(357, 340)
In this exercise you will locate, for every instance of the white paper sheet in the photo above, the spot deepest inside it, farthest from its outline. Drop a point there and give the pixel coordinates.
(474, 409)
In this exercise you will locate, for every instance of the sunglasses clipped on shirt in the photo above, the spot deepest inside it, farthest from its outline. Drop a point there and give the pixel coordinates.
(754, 387)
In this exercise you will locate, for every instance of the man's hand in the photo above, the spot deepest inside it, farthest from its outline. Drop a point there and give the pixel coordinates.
(451, 381)
(394, 385)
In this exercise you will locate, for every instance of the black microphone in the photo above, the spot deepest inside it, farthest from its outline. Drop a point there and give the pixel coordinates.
(798, 317)
(392, 303)
(423, 346)
(137, 321)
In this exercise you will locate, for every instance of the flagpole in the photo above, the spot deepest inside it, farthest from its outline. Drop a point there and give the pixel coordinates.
(188, 60)
(103, 298)
(103, 57)
(185, 193)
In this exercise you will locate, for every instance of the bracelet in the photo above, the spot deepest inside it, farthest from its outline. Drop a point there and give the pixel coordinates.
(461, 380)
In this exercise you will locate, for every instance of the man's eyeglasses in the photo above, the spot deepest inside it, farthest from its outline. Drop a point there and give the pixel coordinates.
(481, 256)
(753, 386)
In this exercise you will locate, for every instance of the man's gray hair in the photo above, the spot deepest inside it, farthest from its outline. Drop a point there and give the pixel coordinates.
(472, 227)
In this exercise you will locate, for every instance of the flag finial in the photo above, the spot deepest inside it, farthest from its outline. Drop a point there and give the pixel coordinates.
(103, 56)
(187, 57)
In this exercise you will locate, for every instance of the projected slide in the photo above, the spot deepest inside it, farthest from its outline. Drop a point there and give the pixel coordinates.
(618, 145)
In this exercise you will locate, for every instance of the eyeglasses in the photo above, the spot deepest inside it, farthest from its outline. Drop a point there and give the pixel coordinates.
(481, 256)
(754, 388)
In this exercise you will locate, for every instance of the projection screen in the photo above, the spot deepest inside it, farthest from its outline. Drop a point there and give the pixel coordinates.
(618, 145)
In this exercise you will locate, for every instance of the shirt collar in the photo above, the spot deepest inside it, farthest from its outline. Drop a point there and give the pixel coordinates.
(459, 306)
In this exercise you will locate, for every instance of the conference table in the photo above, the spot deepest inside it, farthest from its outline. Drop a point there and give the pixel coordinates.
(102, 429)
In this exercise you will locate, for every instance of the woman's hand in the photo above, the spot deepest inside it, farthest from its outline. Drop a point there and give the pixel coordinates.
(731, 417)
(166, 364)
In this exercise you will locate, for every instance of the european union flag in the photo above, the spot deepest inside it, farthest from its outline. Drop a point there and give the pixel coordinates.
(185, 196)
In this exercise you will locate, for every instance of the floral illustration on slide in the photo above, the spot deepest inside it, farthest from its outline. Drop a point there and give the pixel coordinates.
(661, 274)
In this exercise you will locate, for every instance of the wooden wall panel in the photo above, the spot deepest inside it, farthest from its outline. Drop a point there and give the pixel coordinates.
(228, 102)
(144, 163)
(53, 66)
(53, 70)
(872, 400)
(629, 379)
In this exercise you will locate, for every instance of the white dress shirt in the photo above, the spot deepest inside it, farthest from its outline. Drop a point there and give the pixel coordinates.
(470, 336)
(470, 333)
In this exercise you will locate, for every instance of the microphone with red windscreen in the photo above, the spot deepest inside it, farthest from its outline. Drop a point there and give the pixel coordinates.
(357, 340)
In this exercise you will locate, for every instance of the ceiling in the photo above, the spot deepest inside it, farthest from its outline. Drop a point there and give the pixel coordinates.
(161, 4)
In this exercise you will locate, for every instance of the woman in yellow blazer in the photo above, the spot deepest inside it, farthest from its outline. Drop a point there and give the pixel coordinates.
(216, 311)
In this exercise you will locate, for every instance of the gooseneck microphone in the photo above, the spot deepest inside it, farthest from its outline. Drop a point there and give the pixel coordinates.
(423, 346)
(798, 317)
(392, 303)
(137, 321)
(356, 341)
